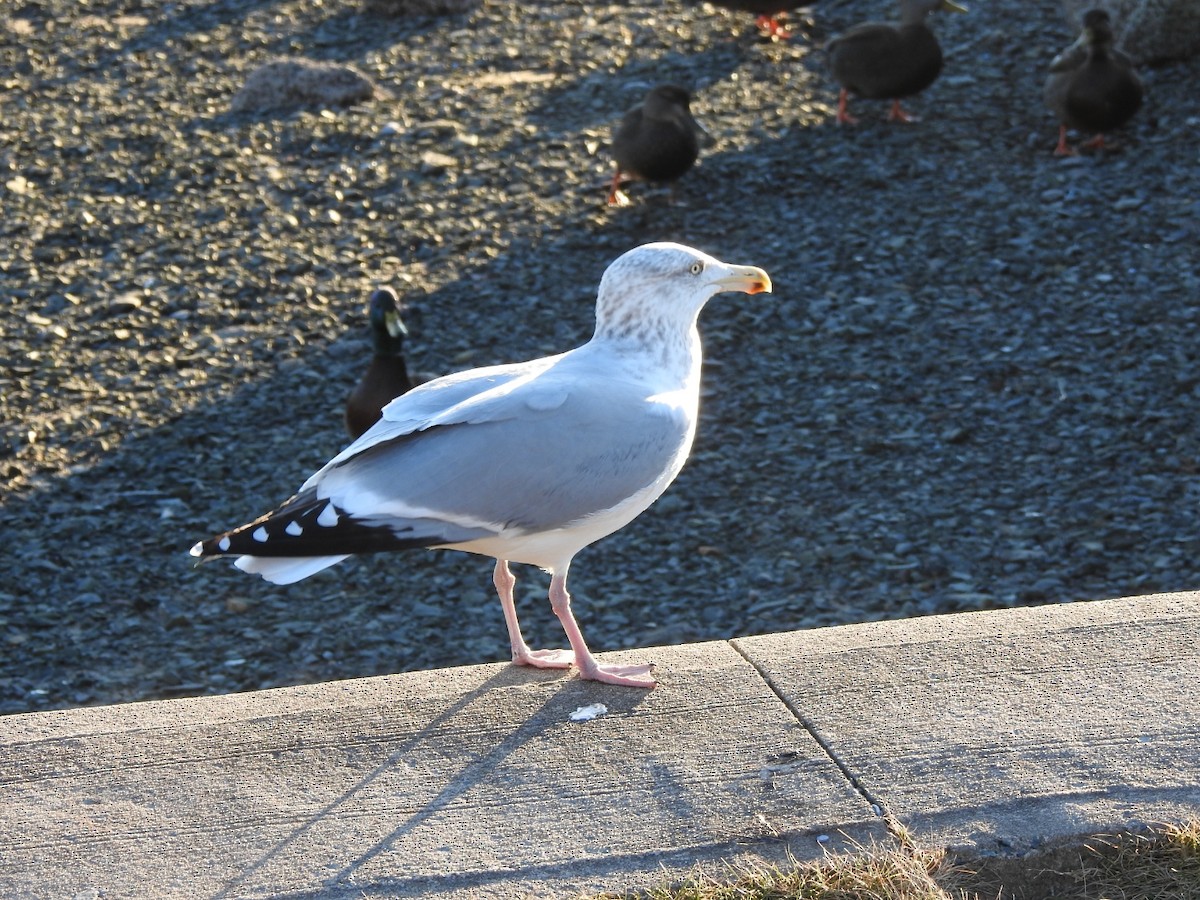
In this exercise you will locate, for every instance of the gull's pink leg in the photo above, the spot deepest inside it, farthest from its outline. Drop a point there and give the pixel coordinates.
(503, 578)
(589, 667)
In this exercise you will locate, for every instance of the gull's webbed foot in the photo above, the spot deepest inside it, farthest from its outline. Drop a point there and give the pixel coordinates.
(626, 676)
(544, 659)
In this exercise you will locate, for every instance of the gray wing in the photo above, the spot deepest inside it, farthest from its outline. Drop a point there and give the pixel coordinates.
(524, 457)
(537, 461)
(442, 400)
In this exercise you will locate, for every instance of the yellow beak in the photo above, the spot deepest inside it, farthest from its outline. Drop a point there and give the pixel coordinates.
(745, 280)
(395, 325)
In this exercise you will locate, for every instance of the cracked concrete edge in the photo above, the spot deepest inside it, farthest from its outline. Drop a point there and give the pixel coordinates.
(1149, 645)
(896, 830)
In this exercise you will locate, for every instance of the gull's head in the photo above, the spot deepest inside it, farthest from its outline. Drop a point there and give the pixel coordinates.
(663, 286)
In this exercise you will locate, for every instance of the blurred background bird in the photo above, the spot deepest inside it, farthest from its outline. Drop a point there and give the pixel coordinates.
(1092, 86)
(658, 140)
(882, 61)
(768, 14)
(387, 376)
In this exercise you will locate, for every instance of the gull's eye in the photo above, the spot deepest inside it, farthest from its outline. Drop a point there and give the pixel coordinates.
(697, 268)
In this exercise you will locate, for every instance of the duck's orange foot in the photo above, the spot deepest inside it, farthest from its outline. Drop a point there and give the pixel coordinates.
(843, 110)
(898, 114)
(1063, 148)
(772, 27)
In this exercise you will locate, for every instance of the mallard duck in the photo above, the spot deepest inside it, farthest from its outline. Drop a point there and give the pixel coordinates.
(767, 13)
(529, 462)
(657, 140)
(888, 62)
(1092, 86)
(387, 376)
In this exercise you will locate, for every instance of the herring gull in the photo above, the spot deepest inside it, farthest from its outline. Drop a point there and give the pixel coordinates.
(528, 462)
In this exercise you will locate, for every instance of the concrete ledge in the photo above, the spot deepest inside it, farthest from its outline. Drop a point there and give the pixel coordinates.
(1005, 732)
(994, 732)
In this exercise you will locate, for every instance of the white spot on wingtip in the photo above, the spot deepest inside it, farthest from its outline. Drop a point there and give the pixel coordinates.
(260, 534)
(328, 517)
(294, 529)
(197, 548)
(224, 544)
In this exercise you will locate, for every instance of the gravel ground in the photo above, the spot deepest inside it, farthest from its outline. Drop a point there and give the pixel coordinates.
(974, 387)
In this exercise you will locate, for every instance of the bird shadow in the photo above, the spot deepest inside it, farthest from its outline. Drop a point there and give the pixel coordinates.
(478, 770)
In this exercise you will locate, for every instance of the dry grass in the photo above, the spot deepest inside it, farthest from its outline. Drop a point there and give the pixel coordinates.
(873, 873)
(1155, 865)
(1163, 863)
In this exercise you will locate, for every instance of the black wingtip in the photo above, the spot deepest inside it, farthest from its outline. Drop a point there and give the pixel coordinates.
(308, 526)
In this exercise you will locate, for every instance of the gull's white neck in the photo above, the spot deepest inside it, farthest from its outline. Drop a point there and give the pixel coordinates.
(666, 352)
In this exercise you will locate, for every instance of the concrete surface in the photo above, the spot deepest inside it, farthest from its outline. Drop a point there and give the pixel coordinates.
(1004, 732)
(988, 732)
(471, 781)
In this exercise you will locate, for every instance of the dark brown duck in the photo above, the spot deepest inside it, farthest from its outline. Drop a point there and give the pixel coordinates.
(1092, 86)
(880, 61)
(657, 140)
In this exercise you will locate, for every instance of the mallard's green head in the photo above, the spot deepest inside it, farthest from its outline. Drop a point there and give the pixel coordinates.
(387, 328)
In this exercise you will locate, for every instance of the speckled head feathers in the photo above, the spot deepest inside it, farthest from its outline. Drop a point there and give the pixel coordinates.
(664, 286)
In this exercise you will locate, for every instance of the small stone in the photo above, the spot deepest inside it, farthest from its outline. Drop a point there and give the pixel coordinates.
(292, 83)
